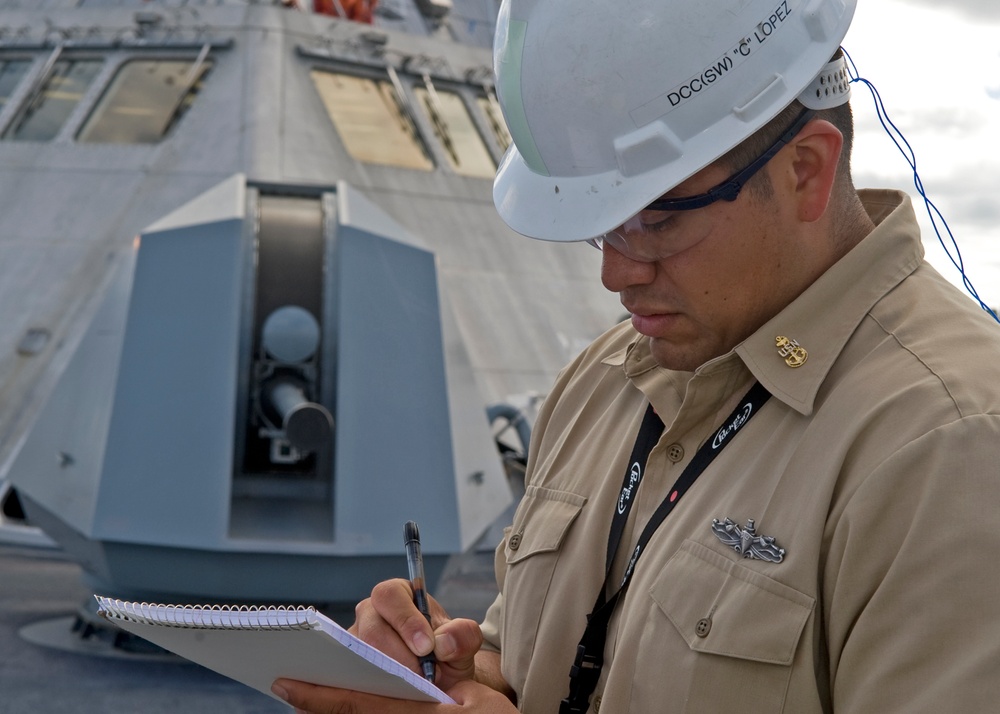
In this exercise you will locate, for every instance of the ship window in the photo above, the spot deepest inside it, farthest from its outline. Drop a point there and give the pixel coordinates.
(455, 129)
(144, 100)
(370, 121)
(494, 116)
(11, 73)
(48, 110)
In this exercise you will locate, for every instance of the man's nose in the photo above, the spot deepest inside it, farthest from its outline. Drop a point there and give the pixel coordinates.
(619, 272)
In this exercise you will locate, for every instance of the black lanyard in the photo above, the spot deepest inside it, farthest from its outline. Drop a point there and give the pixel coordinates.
(586, 669)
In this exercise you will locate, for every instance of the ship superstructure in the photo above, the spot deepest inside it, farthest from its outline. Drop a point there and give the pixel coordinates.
(256, 300)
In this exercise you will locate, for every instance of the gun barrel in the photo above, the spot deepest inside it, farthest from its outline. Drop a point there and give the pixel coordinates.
(308, 426)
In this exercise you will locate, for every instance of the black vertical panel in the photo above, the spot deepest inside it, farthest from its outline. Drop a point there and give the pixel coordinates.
(289, 271)
(289, 258)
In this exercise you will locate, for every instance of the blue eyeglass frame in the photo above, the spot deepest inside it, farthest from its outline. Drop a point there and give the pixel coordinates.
(729, 189)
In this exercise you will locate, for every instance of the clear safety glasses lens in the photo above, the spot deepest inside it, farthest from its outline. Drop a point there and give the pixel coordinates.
(653, 235)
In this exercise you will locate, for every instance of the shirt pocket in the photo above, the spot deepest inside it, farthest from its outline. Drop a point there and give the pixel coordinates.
(531, 551)
(742, 630)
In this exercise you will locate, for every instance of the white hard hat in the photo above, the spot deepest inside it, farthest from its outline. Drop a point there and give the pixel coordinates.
(611, 103)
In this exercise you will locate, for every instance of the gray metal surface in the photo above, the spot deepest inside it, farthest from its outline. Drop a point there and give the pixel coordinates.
(124, 364)
(131, 372)
(69, 211)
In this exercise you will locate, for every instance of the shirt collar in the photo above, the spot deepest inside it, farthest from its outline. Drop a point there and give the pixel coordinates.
(825, 315)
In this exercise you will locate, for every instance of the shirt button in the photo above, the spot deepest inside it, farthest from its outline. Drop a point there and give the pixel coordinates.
(675, 452)
(703, 627)
(515, 541)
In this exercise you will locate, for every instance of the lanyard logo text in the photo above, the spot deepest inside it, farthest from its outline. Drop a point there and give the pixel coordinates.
(634, 477)
(728, 430)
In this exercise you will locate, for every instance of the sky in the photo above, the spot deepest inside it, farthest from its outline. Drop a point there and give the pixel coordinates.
(937, 67)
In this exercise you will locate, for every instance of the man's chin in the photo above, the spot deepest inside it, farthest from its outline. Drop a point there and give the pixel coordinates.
(679, 358)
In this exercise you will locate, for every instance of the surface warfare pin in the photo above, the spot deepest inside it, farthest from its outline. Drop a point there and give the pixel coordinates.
(746, 541)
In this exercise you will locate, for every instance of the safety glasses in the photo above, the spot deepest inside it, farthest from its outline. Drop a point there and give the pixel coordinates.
(658, 219)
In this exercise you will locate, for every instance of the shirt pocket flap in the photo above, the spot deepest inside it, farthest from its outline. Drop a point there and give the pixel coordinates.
(541, 522)
(721, 607)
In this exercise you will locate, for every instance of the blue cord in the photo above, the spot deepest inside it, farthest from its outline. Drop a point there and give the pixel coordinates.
(911, 159)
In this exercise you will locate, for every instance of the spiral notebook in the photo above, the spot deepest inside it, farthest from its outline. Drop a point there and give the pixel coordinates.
(257, 645)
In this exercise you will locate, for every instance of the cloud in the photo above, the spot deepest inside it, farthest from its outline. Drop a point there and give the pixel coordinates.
(963, 122)
(938, 72)
(980, 211)
(988, 10)
(975, 212)
(965, 194)
(977, 208)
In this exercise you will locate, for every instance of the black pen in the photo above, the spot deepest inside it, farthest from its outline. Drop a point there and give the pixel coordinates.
(415, 564)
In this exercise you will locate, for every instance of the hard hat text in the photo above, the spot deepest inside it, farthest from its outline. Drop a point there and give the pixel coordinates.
(766, 27)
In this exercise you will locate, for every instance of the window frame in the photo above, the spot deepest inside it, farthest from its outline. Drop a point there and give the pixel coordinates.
(23, 86)
(378, 74)
(462, 91)
(38, 79)
(113, 57)
(482, 94)
(470, 92)
(112, 73)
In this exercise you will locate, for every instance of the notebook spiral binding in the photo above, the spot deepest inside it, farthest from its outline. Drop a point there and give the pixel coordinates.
(243, 617)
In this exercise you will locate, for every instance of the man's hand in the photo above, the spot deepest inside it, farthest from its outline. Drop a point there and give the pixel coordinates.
(390, 622)
(469, 697)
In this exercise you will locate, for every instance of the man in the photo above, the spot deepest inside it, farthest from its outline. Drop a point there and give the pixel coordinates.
(812, 527)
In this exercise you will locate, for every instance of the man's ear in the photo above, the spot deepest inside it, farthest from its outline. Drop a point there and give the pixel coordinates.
(815, 155)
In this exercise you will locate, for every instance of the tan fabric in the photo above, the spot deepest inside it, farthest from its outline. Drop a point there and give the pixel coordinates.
(876, 466)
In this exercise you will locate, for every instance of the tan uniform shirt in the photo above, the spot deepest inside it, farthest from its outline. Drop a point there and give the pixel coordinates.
(875, 465)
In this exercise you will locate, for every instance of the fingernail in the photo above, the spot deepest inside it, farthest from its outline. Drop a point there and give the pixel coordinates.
(279, 692)
(422, 643)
